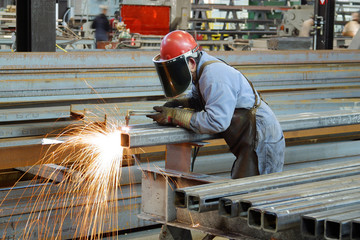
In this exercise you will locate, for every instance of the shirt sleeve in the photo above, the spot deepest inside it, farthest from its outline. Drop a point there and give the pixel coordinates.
(220, 101)
(193, 93)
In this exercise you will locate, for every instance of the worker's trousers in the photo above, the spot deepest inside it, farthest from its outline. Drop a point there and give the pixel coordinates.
(241, 138)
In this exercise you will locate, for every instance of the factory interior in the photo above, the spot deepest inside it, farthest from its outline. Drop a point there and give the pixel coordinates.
(82, 156)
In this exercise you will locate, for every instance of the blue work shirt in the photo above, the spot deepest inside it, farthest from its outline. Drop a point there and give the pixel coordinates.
(223, 89)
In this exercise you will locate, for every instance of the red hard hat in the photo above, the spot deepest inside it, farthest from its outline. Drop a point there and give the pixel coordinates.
(176, 43)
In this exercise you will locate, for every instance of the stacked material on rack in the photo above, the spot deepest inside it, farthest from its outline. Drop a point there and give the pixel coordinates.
(314, 95)
(323, 200)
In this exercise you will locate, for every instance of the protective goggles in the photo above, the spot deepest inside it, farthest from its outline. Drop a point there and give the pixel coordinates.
(174, 74)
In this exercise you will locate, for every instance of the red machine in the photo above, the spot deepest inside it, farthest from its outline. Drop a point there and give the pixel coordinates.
(146, 20)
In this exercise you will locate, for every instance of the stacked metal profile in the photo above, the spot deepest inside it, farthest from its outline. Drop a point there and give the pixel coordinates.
(40, 90)
(338, 223)
(276, 202)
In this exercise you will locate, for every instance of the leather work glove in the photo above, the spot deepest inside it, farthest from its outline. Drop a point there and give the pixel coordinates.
(177, 102)
(185, 103)
(172, 116)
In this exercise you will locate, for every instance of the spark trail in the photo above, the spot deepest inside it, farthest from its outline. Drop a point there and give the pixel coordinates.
(86, 199)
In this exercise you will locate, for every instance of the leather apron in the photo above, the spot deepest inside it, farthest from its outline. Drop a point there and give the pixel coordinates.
(240, 136)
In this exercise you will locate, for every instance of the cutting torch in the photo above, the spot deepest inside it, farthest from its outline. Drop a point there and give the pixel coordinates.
(138, 112)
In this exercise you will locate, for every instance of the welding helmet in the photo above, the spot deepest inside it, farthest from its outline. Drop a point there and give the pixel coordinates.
(172, 65)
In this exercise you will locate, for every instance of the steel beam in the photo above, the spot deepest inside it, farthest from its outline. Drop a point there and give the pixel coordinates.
(68, 81)
(288, 107)
(27, 114)
(35, 129)
(67, 78)
(304, 94)
(319, 120)
(128, 58)
(153, 134)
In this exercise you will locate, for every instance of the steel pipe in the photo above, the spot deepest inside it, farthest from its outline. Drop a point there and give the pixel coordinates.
(287, 215)
(239, 205)
(213, 192)
(312, 224)
(210, 200)
(355, 229)
(339, 226)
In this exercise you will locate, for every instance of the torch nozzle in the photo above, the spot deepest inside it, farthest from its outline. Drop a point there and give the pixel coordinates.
(137, 112)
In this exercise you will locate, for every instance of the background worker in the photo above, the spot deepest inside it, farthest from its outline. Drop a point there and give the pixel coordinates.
(353, 26)
(101, 25)
(113, 24)
(114, 21)
(307, 27)
(222, 101)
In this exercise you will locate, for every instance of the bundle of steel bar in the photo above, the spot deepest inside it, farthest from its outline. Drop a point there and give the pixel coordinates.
(355, 229)
(284, 215)
(276, 202)
(60, 79)
(206, 198)
(339, 223)
(238, 205)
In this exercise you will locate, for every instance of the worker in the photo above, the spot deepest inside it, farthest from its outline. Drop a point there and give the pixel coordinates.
(306, 27)
(221, 101)
(101, 25)
(115, 20)
(353, 26)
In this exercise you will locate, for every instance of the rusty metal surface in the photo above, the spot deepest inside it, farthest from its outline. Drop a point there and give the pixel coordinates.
(80, 77)
(141, 59)
(154, 134)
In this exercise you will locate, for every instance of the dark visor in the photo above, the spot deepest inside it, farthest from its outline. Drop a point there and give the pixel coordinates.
(174, 74)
